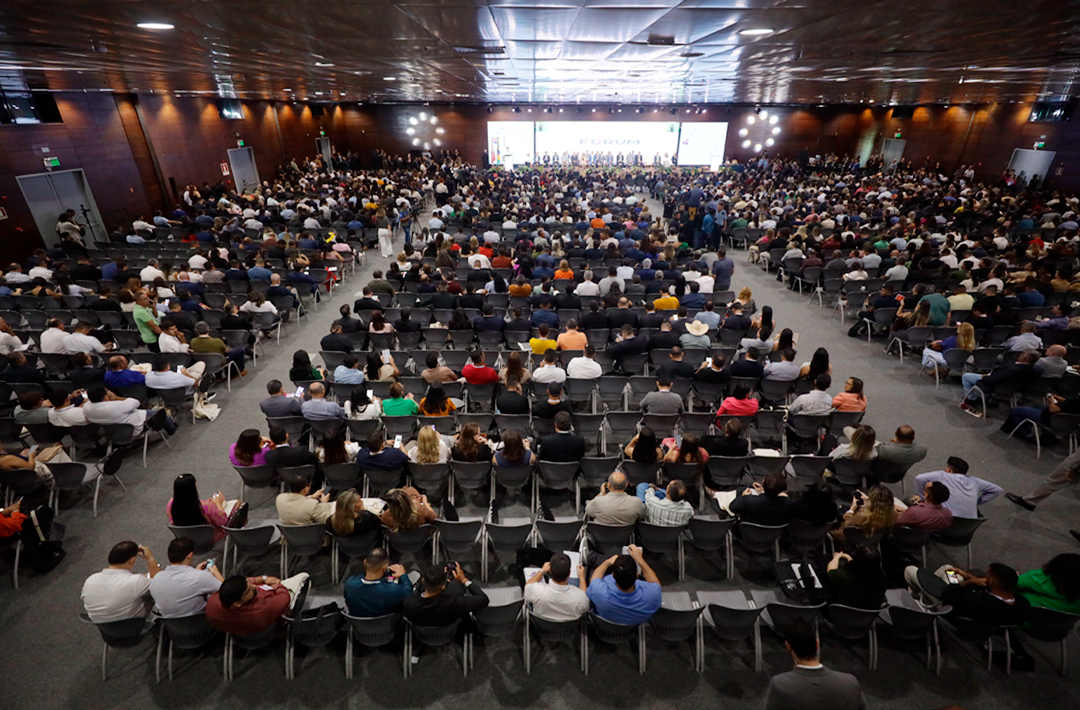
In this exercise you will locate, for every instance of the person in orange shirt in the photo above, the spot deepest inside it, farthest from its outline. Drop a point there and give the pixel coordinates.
(597, 223)
(852, 398)
(572, 339)
(564, 271)
(520, 287)
(667, 302)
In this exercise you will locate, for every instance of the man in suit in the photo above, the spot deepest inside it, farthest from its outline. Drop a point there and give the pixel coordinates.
(736, 320)
(810, 685)
(622, 315)
(666, 339)
(563, 445)
(367, 301)
(627, 344)
(749, 367)
(441, 299)
(278, 404)
(336, 341)
(285, 455)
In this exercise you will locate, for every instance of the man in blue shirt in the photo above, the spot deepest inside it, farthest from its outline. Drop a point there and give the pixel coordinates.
(723, 269)
(379, 454)
(118, 374)
(259, 272)
(375, 593)
(622, 598)
(545, 316)
(349, 373)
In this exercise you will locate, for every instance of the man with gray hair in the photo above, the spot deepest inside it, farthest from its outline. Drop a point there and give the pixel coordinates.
(318, 408)
(614, 505)
(587, 287)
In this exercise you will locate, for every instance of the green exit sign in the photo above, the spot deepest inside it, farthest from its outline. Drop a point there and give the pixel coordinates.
(239, 144)
(897, 134)
(1040, 144)
(52, 162)
(322, 133)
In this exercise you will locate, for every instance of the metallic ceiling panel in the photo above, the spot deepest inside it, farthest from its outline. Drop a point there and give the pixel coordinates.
(876, 51)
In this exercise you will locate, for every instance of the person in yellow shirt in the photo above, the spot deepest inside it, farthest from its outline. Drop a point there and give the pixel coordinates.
(572, 339)
(543, 343)
(667, 302)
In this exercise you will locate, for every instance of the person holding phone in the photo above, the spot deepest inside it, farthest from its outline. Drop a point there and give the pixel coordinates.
(989, 598)
(182, 588)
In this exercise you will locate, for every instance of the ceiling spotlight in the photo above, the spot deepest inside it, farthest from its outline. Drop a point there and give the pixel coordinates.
(410, 131)
(704, 110)
(423, 115)
(440, 130)
(773, 119)
(427, 146)
(688, 110)
(412, 119)
(416, 141)
(324, 64)
(743, 132)
(436, 141)
(776, 130)
(746, 144)
(769, 141)
(757, 147)
(560, 110)
(655, 110)
(758, 32)
(389, 78)
(433, 120)
(764, 115)
(155, 26)
(750, 120)
(530, 110)
(594, 110)
(288, 91)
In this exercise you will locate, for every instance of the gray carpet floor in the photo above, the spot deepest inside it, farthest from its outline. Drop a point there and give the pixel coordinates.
(50, 660)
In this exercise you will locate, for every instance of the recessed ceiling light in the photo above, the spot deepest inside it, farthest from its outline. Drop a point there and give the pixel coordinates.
(154, 26)
(288, 90)
(324, 64)
(389, 78)
(756, 32)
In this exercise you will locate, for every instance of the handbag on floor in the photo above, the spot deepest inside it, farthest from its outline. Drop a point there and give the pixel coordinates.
(43, 540)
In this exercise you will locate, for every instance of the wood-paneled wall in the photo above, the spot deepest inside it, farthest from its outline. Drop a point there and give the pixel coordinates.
(103, 135)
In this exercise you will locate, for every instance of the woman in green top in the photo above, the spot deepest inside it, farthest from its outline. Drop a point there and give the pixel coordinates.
(397, 404)
(1055, 586)
(302, 369)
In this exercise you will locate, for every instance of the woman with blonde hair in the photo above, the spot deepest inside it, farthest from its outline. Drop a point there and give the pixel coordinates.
(350, 517)
(429, 448)
(861, 447)
(406, 509)
(746, 299)
(873, 513)
(964, 339)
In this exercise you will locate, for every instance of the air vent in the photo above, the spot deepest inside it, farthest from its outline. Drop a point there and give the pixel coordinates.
(480, 50)
(660, 41)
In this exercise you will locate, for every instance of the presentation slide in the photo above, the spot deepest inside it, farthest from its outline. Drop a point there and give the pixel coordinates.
(648, 138)
(702, 143)
(510, 142)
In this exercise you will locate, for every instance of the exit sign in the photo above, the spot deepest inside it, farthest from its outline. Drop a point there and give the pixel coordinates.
(240, 144)
(322, 133)
(1040, 144)
(897, 134)
(52, 162)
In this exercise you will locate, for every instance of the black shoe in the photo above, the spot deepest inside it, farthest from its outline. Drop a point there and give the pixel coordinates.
(1019, 500)
(1075, 533)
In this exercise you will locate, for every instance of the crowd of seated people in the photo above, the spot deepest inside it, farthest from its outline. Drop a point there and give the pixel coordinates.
(575, 273)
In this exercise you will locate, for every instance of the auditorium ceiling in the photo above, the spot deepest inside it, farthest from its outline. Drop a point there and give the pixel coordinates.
(550, 51)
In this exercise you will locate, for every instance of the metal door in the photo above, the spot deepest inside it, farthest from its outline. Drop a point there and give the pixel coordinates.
(48, 195)
(892, 150)
(1031, 164)
(322, 145)
(245, 174)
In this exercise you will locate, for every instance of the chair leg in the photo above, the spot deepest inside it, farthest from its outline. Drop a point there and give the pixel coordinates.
(104, 660)
(157, 661)
(97, 490)
(1008, 654)
(349, 654)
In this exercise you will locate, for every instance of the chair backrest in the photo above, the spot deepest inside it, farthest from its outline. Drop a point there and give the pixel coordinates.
(659, 538)
(727, 471)
(557, 535)
(68, 476)
(641, 472)
(189, 632)
(374, 631)
(557, 475)
(253, 541)
(890, 471)
(909, 540)
(675, 625)
(498, 620)
(608, 536)
(554, 631)
(316, 631)
(256, 476)
(436, 635)
(126, 633)
(851, 473)
(610, 632)
(513, 476)
(1049, 625)
(458, 535)
(804, 536)
(761, 466)
(960, 533)
(410, 541)
(709, 532)
(303, 540)
(760, 538)
(508, 537)
(201, 535)
(851, 622)
(297, 474)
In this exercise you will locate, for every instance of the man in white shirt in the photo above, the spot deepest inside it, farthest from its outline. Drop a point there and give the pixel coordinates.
(548, 371)
(82, 342)
(556, 600)
(151, 272)
(116, 593)
(165, 378)
(435, 223)
(587, 287)
(181, 589)
(65, 414)
(312, 223)
(141, 225)
(171, 340)
(584, 367)
(197, 261)
(41, 271)
(106, 407)
(52, 340)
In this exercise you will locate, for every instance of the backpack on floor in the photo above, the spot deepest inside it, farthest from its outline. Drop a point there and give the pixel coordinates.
(43, 540)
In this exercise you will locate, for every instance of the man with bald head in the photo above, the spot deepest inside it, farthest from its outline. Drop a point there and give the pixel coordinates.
(318, 407)
(614, 505)
(1053, 364)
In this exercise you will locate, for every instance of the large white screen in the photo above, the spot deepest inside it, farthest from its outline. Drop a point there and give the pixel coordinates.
(702, 143)
(647, 138)
(510, 142)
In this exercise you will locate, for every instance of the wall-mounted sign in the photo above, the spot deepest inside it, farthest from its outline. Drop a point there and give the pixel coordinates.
(3, 213)
(240, 143)
(52, 162)
(224, 168)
